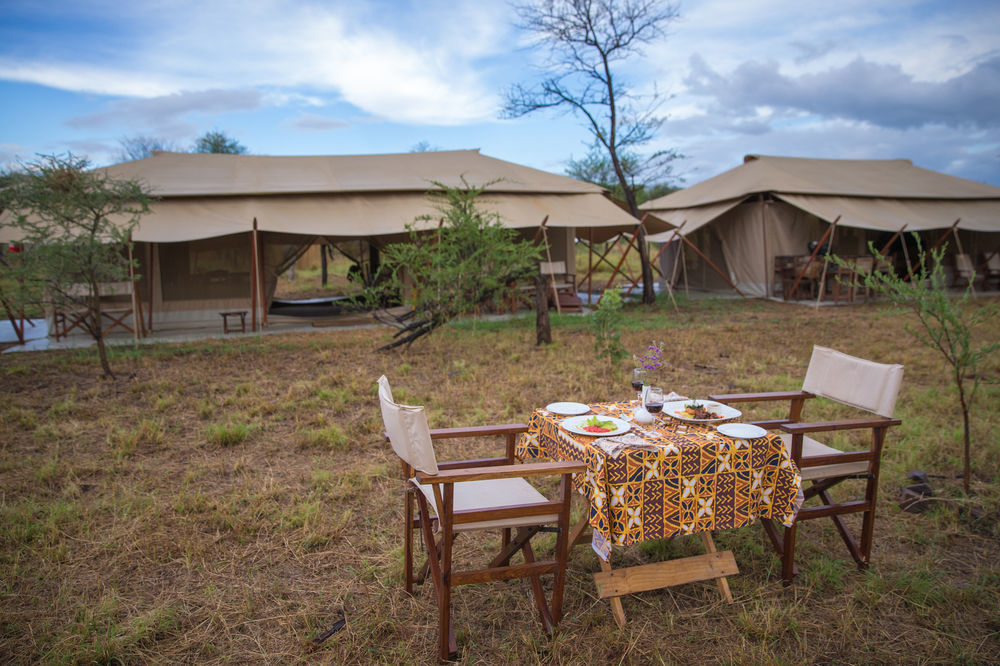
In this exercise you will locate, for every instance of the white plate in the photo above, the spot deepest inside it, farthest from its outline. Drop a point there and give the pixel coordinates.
(741, 430)
(671, 408)
(567, 408)
(575, 424)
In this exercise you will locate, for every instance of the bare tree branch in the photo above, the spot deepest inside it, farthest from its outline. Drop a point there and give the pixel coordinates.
(585, 40)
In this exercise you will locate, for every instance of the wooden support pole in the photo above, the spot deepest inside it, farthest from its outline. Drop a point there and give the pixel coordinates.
(712, 265)
(635, 236)
(893, 239)
(134, 296)
(590, 263)
(958, 246)
(261, 291)
(253, 276)
(151, 270)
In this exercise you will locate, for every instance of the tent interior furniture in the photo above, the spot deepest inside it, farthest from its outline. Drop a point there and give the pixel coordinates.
(483, 494)
(847, 281)
(562, 286)
(115, 310)
(872, 387)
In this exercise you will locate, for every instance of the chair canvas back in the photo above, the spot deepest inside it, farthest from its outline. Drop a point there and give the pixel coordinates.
(407, 429)
(853, 381)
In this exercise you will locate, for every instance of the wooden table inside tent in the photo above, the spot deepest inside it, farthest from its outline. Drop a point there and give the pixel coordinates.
(694, 480)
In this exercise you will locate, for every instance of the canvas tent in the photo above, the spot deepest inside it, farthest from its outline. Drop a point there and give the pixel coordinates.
(225, 226)
(772, 206)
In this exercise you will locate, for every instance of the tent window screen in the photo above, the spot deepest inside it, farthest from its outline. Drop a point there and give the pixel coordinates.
(206, 269)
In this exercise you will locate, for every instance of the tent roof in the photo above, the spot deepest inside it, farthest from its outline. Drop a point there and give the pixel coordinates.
(354, 196)
(199, 174)
(863, 192)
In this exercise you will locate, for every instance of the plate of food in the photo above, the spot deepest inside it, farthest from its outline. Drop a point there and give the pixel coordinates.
(567, 408)
(700, 411)
(596, 425)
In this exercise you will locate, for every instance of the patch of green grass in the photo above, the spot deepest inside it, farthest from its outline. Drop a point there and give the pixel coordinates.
(330, 437)
(147, 434)
(229, 434)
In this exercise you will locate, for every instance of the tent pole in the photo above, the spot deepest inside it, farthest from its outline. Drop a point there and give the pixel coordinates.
(798, 278)
(590, 264)
(261, 297)
(684, 270)
(136, 312)
(549, 279)
(151, 251)
(958, 246)
(635, 235)
(768, 261)
(253, 276)
(602, 257)
(893, 239)
(712, 265)
(826, 262)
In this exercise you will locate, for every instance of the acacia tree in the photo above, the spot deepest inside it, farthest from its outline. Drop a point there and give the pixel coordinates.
(140, 146)
(215, 141)
(586, 41)
(75, 225)
(468, 260)
(946, 325)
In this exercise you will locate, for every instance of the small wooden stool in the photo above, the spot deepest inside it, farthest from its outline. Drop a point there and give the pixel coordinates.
(242, 314)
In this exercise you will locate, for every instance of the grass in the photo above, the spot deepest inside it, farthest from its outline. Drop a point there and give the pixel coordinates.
(226, 501)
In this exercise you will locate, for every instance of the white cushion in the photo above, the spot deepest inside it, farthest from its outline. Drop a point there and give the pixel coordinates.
(407, 428)
(490, 494)
(810, 447)
(853, 381)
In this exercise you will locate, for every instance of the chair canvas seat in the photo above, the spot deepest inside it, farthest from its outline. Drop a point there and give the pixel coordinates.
(810, 448)
(492, 494)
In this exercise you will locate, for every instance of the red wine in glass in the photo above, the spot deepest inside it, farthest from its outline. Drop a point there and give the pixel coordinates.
(654, 407)
(636, 385)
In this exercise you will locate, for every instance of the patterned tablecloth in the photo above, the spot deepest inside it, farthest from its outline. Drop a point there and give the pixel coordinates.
(697, 480)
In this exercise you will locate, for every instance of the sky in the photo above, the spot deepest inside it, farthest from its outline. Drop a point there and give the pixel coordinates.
(855, 79)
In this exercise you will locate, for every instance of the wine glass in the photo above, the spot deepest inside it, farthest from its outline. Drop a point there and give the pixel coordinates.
(638, 378)
(654, 404)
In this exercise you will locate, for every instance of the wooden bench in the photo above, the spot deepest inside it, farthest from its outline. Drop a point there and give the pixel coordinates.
(227, 328)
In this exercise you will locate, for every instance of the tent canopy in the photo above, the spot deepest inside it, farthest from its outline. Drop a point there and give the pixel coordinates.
(867, 194)
(353, 196)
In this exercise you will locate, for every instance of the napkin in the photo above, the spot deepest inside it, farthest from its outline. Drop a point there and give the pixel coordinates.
(674, 397)
(613, 446)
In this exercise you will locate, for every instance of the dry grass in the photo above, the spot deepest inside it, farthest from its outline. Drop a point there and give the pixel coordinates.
(226, 501)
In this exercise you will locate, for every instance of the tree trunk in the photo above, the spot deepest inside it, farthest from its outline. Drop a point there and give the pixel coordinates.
(966, 436)
(648, 294)
(98, 331)
(543, 330)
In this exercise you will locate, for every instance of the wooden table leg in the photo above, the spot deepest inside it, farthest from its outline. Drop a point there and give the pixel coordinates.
(709, 543)
(616, 602)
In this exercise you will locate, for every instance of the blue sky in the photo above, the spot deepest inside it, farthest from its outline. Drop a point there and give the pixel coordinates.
(855, 79)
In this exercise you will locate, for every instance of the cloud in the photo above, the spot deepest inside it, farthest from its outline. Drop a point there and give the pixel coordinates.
(422, 62)
(312, 122)
(880, 94)
(169, 109)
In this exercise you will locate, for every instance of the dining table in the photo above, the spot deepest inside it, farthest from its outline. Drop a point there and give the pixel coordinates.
(673, 477)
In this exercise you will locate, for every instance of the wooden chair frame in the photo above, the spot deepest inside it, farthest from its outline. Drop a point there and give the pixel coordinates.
(784, 544)
(439, 549)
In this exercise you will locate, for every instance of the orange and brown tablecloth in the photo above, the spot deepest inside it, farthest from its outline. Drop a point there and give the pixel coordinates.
(695, 480)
